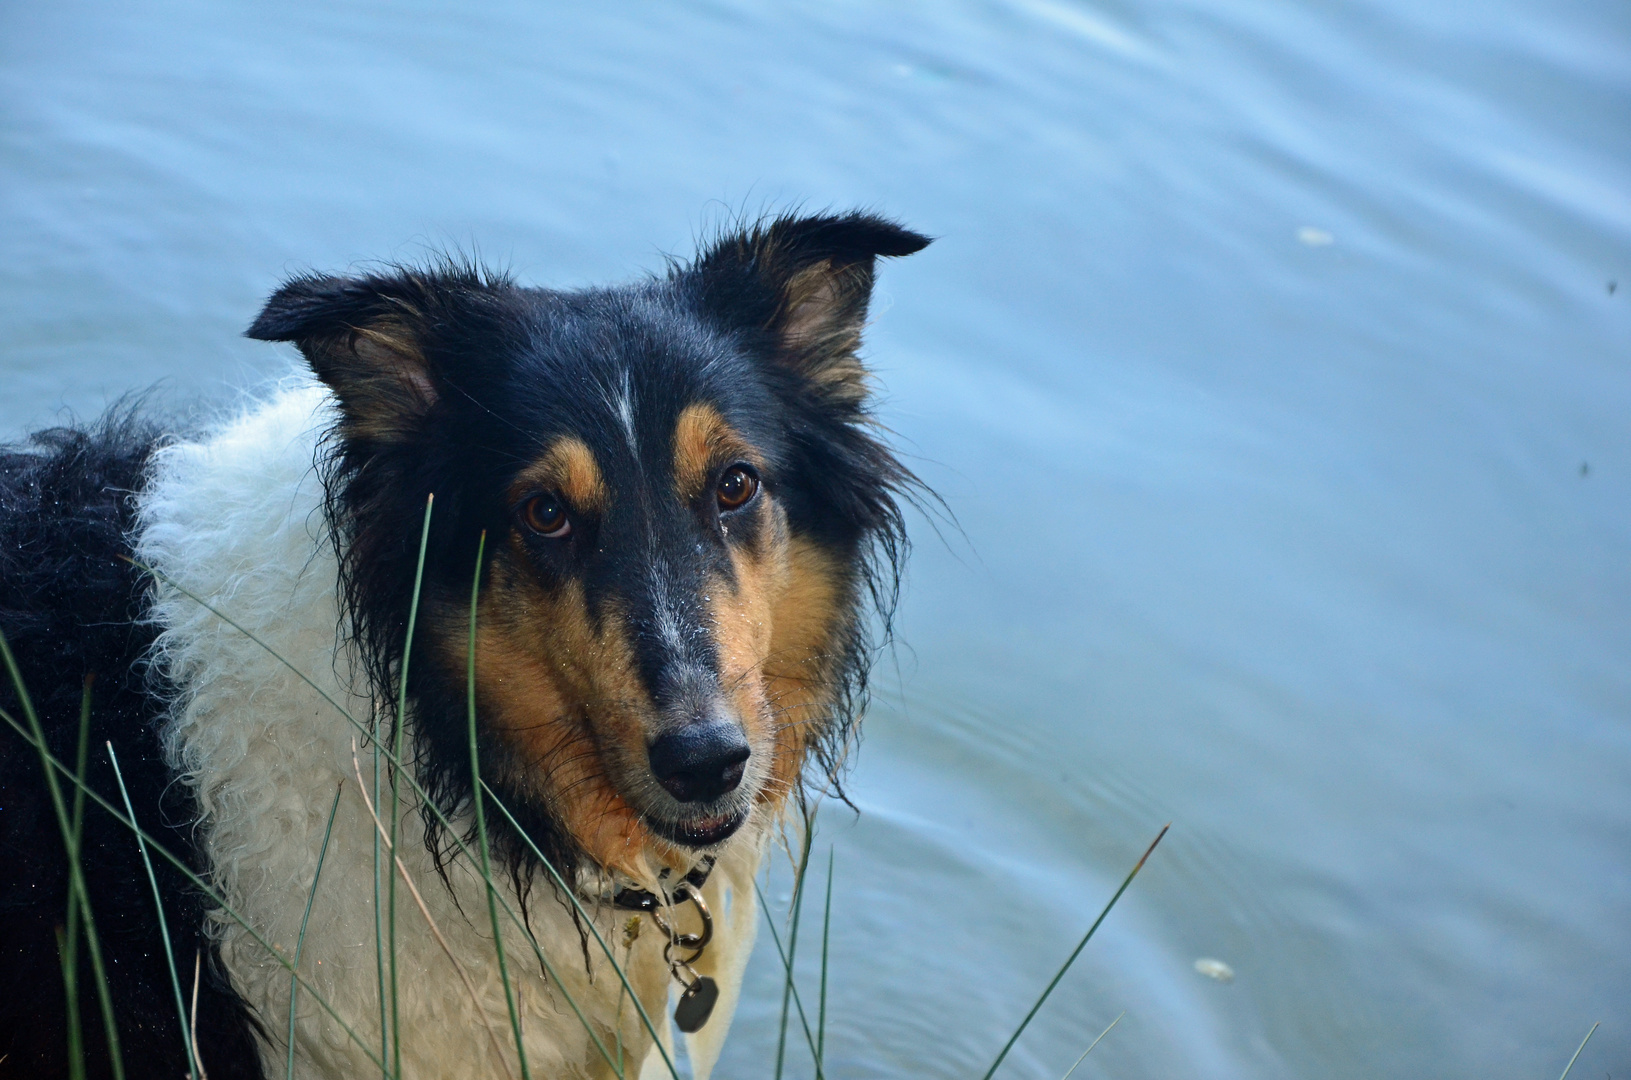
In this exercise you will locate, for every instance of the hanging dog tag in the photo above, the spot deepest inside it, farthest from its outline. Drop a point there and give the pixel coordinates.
(696, 1005)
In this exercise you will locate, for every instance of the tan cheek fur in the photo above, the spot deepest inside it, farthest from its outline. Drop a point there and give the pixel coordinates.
(538, 664)
(799, 671)
(774, 627)
(774, 633)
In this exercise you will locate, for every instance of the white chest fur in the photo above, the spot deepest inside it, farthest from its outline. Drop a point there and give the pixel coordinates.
(235, 519)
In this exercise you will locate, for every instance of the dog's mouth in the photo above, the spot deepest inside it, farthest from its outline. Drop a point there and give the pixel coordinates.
(699, 832)
(699, 780)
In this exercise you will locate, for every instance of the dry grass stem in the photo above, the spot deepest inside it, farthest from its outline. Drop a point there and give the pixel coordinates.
(192, 1018)
(1091, 1045)
(436, 931)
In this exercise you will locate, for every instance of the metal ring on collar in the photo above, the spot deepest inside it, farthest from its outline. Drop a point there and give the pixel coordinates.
(696, 942)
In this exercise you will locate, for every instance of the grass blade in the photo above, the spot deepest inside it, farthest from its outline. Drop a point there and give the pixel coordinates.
(776, 939)
(396, 779)
(792, 947)
(164, 925)
(385, 1029)
(76, 1034)
(192, 1017)
(481, 816)
(577, 906)
(1579, 1048)
(1074, 953)
(1091, 1045)
(821, 1009)
(311, 897)
(35, 734)
(68, 939)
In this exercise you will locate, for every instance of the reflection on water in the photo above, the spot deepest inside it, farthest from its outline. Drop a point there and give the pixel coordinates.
(1272, 358)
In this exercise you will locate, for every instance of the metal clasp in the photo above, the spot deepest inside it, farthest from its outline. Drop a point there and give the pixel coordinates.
(695, 943)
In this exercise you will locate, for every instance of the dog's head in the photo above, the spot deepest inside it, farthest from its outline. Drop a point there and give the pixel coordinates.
(683, 501)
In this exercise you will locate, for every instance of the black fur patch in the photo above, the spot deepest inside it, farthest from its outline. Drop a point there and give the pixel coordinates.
(70, 608)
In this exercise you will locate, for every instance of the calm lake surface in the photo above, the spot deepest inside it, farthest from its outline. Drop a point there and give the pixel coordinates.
(1274, 358)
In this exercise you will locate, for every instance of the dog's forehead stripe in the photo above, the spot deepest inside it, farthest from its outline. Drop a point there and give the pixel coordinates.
(622, 402)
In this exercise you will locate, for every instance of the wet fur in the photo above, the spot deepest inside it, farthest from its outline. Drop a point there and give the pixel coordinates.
(300, 518)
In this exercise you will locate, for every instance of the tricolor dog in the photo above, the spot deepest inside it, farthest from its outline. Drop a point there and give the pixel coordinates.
(662, 515)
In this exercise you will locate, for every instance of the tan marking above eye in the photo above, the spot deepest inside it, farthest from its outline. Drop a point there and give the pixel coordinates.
(567, 469)
(702, 441)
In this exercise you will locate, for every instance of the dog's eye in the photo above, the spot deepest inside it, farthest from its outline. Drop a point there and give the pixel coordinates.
(545, 515)
(736, 487)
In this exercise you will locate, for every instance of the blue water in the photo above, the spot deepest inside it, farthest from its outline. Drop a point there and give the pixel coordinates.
(1273, 359)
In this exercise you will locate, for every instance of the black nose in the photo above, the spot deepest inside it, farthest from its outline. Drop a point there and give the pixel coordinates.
(700, 762)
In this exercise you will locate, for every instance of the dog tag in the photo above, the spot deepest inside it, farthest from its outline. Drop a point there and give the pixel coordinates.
(696, 1005)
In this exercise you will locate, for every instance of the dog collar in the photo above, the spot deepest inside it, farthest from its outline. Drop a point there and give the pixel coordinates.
(634, 898)
(701, 992)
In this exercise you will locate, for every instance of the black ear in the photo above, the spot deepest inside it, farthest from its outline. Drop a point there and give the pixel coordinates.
(806, 283)
(369, 339)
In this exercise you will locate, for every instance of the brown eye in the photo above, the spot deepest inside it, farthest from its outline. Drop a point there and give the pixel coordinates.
(736, 487)
(545, 515)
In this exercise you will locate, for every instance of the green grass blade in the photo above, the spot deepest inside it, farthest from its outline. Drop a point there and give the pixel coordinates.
(481, 814)
(775, 937)
(577, 905)
(821, 1009)
(68, 939)
(311, 897)
(104, 997)
(1579, 1048)
(793, 945)
(1091, 1045)
(35, 734)
(76, 1034)
(1074, 953)
(379, 923)
(396, 780)
(76, 825)
(164, 924)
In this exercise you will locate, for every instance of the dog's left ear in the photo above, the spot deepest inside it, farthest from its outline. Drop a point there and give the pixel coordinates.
(367, 338)
(805, 283)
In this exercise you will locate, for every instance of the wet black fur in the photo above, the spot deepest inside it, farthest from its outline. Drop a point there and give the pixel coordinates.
(70, 608)
(510, 368)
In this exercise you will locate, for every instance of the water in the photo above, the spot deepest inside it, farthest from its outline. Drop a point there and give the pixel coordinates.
(1273, 359)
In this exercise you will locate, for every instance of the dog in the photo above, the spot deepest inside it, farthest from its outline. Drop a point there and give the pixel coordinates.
(519, 620)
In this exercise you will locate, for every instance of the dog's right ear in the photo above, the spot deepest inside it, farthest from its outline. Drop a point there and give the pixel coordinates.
(803, 284)
(367, 338)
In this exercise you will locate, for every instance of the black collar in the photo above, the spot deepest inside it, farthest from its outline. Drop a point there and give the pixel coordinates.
(638, 899)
